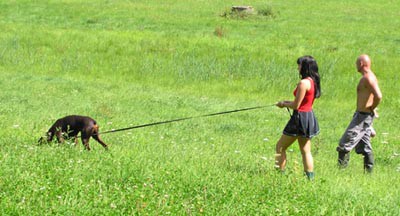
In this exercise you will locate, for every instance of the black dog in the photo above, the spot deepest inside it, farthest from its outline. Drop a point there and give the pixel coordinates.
(70, 126)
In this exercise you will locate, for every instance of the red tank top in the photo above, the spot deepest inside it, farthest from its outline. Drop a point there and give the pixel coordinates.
(308, 100)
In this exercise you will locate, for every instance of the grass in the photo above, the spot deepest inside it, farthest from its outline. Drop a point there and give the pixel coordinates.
(127, 63)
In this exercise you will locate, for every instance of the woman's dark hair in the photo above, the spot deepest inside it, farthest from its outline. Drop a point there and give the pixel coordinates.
(309, 68)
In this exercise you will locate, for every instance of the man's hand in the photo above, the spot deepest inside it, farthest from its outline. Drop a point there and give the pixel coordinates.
(375, 111)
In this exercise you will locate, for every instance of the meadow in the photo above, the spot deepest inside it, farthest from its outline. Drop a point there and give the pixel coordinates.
(129, 62)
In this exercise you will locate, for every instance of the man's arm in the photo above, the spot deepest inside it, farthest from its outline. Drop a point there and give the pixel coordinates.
(376, 92)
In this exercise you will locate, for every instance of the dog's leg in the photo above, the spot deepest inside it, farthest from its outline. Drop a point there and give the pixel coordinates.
(76, 141)
(85, 136)
(85, 142)
(96, 136)
(60, 137)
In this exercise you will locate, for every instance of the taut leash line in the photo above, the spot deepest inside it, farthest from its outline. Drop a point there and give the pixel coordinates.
(185, 118)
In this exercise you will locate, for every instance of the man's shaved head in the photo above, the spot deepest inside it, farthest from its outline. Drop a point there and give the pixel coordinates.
(363, 63)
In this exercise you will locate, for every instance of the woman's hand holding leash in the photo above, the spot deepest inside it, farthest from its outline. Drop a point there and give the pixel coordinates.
(282, 104)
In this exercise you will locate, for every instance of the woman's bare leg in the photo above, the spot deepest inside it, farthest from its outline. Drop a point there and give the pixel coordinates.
(280, 157)
(305, 148)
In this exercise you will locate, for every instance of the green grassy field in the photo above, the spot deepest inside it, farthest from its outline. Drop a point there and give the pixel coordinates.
(127, 63)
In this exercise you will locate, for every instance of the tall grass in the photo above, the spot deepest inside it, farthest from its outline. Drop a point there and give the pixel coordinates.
(128, 62)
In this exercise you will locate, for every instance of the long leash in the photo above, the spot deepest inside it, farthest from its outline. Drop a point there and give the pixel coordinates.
(186, 118)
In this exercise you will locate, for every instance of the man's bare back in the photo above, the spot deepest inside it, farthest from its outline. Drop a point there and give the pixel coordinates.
(368, 93)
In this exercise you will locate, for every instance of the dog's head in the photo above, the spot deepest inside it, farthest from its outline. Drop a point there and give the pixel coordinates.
(45, 139)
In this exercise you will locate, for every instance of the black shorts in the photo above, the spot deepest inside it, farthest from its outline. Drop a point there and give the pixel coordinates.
(302, 124)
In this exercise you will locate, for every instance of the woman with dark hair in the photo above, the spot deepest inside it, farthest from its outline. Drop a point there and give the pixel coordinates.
(302, 125)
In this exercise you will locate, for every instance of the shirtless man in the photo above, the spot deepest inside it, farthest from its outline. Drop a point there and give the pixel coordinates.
(358, 133)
